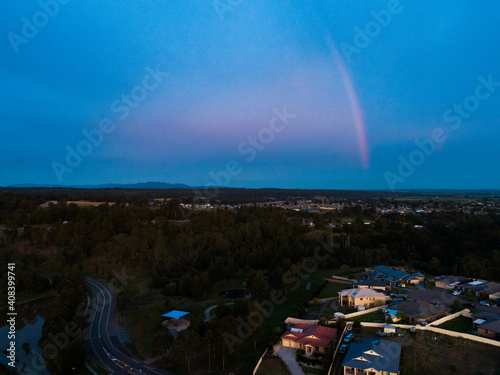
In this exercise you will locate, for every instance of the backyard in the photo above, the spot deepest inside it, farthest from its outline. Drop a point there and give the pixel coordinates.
(332, 289)
(270, 366)
(460, 324)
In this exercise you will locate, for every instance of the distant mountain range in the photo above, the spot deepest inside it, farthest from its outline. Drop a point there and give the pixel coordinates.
(164, 185)
(142, 185)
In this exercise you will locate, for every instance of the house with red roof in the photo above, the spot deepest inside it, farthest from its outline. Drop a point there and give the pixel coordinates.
(313, 339)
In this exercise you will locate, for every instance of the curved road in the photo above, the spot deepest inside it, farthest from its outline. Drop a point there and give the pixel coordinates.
(102, 345)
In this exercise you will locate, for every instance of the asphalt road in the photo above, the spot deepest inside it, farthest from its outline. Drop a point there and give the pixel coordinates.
(102, 345)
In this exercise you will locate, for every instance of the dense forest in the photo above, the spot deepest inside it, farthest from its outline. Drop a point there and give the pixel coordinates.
(54, 247)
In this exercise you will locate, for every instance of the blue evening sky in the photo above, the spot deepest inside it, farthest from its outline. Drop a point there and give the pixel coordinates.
(173, 91)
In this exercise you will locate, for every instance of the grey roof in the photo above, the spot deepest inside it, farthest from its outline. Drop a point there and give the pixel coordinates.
(381, 355)
(414, 274)
(450, 279)
(397, 274)
(381, 276)
(369, 282)
(421, 309)
(491, 326)
(491, 287)
(486, 315)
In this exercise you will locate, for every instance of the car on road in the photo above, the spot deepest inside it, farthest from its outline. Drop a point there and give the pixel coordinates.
(343, 349)
(484, 303)
(349, 337)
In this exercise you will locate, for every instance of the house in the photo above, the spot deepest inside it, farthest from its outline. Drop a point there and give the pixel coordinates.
(490, 290)
(414, 278)
(448, 281)
(382, 277)
(481, 317)
(490, 330)
(386, 274)
(372, 284)
(372, 356)
(311, 338)
(365, 297)
(397, 274)
(420, 311)
(481, 289)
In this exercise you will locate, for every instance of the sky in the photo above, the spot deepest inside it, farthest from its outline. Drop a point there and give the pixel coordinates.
(338, 94)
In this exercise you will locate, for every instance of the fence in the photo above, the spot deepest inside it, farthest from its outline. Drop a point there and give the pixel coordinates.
(373, 309)
(466, 336)
(450, 317)
(340, 280)
(258, 363)
(301, 321)
(321, 300)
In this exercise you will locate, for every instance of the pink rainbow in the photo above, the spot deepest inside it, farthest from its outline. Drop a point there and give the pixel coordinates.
(355, 107)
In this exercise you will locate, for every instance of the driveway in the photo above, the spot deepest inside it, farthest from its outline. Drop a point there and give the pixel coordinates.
(288, 356)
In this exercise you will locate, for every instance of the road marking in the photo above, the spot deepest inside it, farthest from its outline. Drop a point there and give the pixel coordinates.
(103, 289)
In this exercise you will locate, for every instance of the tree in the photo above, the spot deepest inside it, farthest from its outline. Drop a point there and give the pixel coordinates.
(186, 346)
(73, 356)
(49, 269)
(344, 268)
(208, 342)
(401, 315)
(276, 335)
(162, 342)
(357, 326)
(226, 329)
(456, 305)
(315, 302)
(122, 300)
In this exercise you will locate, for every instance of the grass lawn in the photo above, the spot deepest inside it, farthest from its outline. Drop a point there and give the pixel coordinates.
(374, 317)
(332, 289)
(460, 324)
(270, 367)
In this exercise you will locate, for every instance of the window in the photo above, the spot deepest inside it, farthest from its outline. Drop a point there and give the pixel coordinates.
(316, 348)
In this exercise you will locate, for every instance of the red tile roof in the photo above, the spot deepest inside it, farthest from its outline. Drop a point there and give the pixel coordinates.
(311, 335)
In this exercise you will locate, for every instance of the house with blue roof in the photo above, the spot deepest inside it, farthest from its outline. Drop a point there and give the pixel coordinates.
(372, 357)
(397, 274)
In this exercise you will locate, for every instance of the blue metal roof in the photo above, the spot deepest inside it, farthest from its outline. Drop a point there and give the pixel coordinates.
(175, 314)
(381, 355)
(391, 272)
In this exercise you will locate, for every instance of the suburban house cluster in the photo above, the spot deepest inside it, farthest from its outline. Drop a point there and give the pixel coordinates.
(401, 295)
(486, 323)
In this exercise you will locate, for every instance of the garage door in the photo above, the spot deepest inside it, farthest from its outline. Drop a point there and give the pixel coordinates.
(287, 343)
